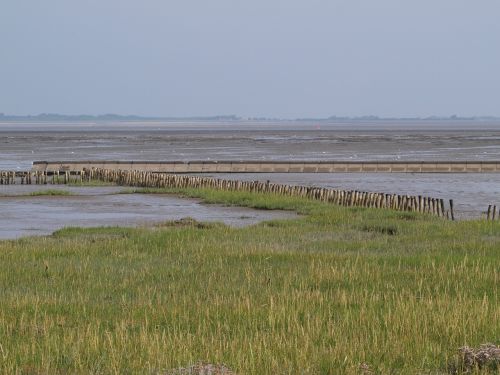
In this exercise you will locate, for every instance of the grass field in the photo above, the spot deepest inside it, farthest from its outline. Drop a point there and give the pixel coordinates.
(321, 294)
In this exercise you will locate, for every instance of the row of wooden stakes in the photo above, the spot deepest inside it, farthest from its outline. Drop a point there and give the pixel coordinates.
(39, 177)
(349, 198)
(491, 214)
(433, 206)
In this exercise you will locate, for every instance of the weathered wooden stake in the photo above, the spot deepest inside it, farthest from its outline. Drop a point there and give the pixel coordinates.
(451, 210)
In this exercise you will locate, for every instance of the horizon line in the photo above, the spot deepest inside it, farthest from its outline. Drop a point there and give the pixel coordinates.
(118, 117)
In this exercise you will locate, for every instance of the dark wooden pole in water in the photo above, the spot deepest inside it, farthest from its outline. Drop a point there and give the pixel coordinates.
(494, 213)
(451, 210)
(489, 212)
(441, 206)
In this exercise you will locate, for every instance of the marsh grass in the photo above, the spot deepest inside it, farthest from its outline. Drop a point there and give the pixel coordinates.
(92, 183)
(331, 292)
(40, 193)
(50, 192)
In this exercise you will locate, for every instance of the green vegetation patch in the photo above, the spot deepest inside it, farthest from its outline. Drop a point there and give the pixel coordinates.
(335, 291)
(40, 193)
(50, 192)
(93, 183)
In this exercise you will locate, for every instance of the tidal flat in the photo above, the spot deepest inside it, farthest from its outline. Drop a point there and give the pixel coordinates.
(29, 210)
(23, 143)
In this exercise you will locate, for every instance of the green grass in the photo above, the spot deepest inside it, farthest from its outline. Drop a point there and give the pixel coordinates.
(92, 183)
(39, 193)
(50, 192)
(319, 294)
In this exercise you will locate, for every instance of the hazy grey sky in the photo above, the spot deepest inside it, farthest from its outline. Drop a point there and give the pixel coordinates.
(283, 58)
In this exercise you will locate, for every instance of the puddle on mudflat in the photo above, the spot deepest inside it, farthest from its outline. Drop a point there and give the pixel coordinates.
(102, 206)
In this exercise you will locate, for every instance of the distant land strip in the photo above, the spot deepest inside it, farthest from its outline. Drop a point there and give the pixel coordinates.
(57, 117)
(252, 166)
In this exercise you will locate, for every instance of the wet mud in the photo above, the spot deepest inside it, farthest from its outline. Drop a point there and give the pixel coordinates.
(20, 144)
(103, 206)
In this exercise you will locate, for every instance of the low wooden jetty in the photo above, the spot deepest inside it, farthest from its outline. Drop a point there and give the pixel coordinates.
(275, 166)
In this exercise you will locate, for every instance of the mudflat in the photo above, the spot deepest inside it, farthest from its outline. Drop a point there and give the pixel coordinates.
(23, 143)
(40, 214)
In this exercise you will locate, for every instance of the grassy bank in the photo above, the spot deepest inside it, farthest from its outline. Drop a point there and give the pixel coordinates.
(41, 193)
(321, 294)
(50, 192)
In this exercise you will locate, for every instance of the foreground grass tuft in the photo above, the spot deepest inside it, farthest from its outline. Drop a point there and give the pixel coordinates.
(336, 291)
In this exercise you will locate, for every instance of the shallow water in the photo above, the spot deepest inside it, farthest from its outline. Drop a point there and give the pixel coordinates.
(103, 206)
(471, 193)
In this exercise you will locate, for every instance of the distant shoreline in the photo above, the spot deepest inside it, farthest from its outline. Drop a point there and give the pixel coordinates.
(44, 118)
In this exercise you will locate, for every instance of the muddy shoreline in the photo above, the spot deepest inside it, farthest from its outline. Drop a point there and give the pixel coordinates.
(24, 215)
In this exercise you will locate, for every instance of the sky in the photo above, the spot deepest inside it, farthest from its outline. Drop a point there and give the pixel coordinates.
(258, 58)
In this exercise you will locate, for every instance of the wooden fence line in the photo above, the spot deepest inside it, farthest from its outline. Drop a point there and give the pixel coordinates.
(348, 198)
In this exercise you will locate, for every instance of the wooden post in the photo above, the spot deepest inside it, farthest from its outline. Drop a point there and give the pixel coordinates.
(489, 212)
(451, 210)
(494, 212)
